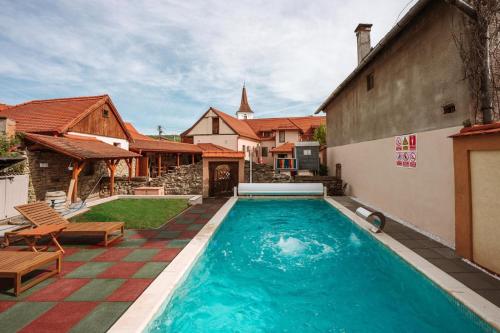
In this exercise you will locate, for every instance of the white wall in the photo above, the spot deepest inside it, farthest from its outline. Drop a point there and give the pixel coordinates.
(124, 144)
(423, 197)
(204, 126)
(270, 145)
(247, 143)
(227, 141)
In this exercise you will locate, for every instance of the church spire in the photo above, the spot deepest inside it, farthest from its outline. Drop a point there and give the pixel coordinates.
(244, 106)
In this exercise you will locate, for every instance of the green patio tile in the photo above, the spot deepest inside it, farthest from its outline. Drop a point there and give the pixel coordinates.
(130, 232)
(131, 242)
(141, 255)
(150, 270)
(195, 227)
(89, 270)
(84, 255)
(168, 234)
(184, 220)
(178, 243)
(21, 314)
(102, 318)
(96, 290)
(11, 297)
(207, 215)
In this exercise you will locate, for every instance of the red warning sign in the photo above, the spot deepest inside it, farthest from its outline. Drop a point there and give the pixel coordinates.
(406, 150)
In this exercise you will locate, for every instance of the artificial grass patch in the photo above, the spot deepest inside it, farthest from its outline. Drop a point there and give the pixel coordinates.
(136, 213)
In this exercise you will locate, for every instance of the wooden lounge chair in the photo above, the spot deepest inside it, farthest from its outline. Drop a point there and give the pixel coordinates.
(16, 264)
(39, 213)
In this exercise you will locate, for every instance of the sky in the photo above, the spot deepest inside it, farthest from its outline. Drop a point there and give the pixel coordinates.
(166, 62)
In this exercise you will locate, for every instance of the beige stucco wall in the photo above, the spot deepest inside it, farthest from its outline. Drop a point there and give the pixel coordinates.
(247, 143)
(485, 193)
(270, 145)
(290, 136)
(422, 197)
(204, 126)
(228, 141)
(206, 175)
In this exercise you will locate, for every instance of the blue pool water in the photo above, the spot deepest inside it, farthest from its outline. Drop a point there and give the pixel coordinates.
(302, 266)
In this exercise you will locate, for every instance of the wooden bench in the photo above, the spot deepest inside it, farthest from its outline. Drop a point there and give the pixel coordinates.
(16, 264)
(40, 214)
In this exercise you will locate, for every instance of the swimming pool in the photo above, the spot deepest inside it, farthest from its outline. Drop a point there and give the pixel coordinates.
(300, 265)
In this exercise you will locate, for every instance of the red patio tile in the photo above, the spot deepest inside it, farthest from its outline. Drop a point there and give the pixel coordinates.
(130, 290)
(4, 305)
(121, 270)
(68, 267)
(188, 234)
(144, 234)
(58, 290)
(176, 227)
(201, 220)
(166, 254)
(61, 318)
(116, 254)
(156, 244)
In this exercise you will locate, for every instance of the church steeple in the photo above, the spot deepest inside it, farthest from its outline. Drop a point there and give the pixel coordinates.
(244, 112)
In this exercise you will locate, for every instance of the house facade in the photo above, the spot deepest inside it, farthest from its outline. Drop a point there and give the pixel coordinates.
(269, 138)
(389, 122)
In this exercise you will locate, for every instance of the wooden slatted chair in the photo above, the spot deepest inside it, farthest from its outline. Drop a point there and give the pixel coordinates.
(16, 264)
(39, 213)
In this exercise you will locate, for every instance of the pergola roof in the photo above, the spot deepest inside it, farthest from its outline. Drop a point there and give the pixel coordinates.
(284, 148)
(81, 148)
(164, 146)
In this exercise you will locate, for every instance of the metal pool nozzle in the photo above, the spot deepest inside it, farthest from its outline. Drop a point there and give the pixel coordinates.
(376, 219)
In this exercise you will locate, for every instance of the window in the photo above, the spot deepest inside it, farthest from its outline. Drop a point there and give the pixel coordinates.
(215, 125)
(281, 136)
(282, 155)
(449, 108)
(243, 148)
(307, 152)
(245, 116)
(265, 134)
(265, 151)
(370, 81)
(105, 113)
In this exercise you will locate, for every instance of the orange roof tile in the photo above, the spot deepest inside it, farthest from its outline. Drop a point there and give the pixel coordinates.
(479, 129)
(80, 148)
(284, 148)
(135, 133)
(4, 106)
(56, 115)
(225, 154)
(239, 126)
(164, 146)
(305, 124)
(212, 147)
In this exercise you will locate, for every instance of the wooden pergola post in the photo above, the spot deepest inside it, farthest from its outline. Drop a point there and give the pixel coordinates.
(129, 164)
(77, 168)
(159, 164)
(178, 158)
(111, 164)
(192, 158)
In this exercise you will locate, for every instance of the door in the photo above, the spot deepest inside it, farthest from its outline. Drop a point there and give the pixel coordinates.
(13, 192)
(223, 177)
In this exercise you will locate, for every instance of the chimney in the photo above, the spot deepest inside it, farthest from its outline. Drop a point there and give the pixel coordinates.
(363, 35)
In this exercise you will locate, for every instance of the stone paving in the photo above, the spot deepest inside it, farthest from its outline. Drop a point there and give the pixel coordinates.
(98, 284)
(439, 255)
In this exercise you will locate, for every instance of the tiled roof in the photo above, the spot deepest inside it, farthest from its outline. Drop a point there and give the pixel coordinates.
(284, 148)
(4, 106)
(212, 147)
(244, 106)
(225, 154)
(55, 115)
(164, 146)
(479, 129)
(135, 133)
(239, 126)
(305, 125)
(81, 148)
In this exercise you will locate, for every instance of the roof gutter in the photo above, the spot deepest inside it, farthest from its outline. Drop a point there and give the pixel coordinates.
(375, 51)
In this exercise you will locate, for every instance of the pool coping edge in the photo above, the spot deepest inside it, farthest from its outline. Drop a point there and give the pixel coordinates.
(486, 310)
(139, 315)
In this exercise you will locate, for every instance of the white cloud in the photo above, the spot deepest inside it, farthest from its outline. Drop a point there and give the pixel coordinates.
(176, 58)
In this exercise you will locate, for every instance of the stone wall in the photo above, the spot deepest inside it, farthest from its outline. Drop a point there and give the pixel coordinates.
(264, 173)
(333, 185)
(185, 179)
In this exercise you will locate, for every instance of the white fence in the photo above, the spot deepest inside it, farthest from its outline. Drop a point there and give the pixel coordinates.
(13, 192)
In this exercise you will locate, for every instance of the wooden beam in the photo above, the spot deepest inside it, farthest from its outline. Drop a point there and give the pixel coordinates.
(178, 159)
(159, 164)
(192, 158)
(129, 164)
(77, 168)
(111, 164)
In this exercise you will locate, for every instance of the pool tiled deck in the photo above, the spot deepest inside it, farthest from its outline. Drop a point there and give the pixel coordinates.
(438, 254)
(98, 284)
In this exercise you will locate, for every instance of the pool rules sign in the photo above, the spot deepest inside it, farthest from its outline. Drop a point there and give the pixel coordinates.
(406, 150)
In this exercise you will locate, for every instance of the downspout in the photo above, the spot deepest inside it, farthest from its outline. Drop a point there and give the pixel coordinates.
(485, 82)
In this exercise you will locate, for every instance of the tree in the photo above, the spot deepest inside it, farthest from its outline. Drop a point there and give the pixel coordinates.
(479, 46)
(320, 134)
